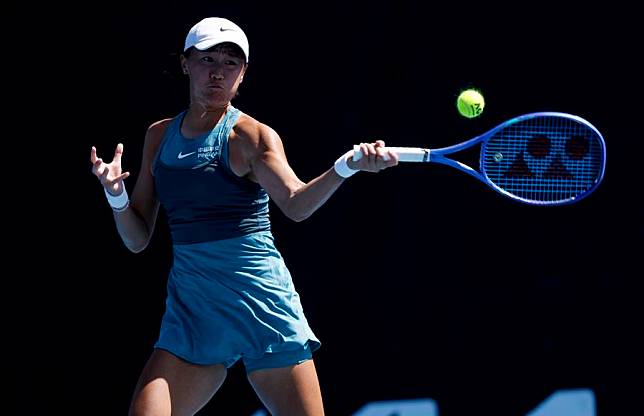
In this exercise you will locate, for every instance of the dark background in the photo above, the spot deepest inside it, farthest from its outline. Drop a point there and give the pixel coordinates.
(419, 281)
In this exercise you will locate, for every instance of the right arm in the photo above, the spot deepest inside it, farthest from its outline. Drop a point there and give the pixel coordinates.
(135, 224)
(257, 153)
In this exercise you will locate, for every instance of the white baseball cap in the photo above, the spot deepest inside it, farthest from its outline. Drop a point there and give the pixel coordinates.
(212, 31)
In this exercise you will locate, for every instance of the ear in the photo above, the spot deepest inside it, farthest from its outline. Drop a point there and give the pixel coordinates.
(184, 64)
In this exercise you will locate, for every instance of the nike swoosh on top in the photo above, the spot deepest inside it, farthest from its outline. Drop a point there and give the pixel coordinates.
(181, 155)
(223, 29)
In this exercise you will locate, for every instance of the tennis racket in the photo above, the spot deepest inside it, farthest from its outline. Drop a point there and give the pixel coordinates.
(545, 158)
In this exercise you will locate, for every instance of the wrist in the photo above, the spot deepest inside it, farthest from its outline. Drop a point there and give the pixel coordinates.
(118, 202)
(342, 168)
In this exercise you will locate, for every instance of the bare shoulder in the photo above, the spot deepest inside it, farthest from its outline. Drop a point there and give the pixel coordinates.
(250, 141)
(253, 134)
(157, 129)
(154, 135)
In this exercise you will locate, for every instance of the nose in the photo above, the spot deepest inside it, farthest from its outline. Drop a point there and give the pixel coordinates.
(216, 73)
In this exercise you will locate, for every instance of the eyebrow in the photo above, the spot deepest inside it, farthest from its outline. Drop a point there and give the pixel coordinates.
(230, 50)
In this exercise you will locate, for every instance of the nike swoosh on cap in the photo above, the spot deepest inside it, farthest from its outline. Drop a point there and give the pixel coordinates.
(181, 155)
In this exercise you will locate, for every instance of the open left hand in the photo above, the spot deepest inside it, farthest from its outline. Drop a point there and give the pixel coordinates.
(109, 174)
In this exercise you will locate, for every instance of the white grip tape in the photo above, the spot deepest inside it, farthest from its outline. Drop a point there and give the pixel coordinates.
(405, 154)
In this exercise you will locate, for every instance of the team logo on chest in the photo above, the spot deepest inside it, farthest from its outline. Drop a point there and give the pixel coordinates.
(207, 158)
(207, 152)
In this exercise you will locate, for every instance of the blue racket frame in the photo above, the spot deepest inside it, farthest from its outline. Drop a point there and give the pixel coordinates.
(598, 154)
(545, 158)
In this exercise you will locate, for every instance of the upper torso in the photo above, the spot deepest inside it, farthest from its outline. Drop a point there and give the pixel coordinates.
(204, 198)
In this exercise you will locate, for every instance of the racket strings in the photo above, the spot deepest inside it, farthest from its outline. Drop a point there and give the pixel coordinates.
(544, 159)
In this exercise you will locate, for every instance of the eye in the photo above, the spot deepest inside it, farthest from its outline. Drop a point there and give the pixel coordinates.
(207, 59)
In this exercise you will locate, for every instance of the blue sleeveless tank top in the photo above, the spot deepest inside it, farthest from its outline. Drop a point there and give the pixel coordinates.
(203, 199)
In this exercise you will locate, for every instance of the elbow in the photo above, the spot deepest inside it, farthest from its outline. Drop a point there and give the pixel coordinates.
(296, 215)
(299, 218)
(135, 238)
(136, 246)
(136, 249)
(296, 208)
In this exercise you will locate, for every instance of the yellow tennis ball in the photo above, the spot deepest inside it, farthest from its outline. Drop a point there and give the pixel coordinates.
(470, 103)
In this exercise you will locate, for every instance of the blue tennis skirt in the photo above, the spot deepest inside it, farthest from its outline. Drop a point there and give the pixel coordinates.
(232, 299)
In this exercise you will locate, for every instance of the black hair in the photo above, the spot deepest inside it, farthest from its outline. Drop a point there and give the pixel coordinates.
(232, 48)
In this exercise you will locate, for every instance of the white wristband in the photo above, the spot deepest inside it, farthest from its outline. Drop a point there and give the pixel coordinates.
(341, 167)
(119, 202)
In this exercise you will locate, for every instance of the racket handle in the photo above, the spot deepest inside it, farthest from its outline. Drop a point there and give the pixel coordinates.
(405, 154)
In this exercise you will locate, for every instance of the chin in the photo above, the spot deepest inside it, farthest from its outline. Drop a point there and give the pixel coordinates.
(216, 99)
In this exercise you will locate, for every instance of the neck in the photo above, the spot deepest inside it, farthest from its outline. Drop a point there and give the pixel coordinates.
(199, 117)
(199, 120)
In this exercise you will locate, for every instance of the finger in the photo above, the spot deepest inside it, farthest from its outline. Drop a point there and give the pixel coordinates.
(118, 153)
(371, 151)
(98, 167)
(368, 151)
(92, 155)
(122, 176)
(365, 152)
(393, 158)
(373, 156)
(381, 154)
(370, 156)
(380, 143)
(103, 176)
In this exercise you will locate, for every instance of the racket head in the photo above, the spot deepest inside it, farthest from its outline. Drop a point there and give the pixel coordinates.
(545, 158)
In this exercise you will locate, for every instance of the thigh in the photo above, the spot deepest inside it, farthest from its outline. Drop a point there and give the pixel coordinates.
(169, 384)
(289, 391)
